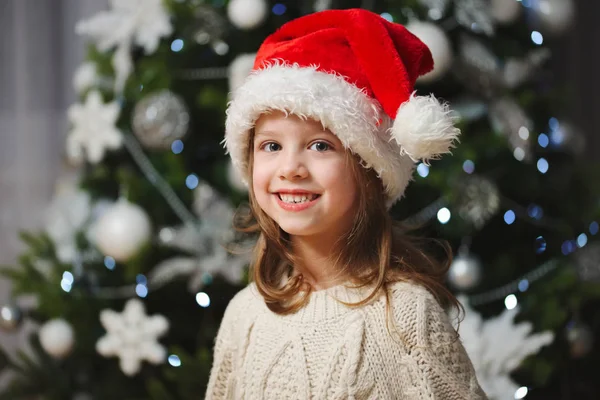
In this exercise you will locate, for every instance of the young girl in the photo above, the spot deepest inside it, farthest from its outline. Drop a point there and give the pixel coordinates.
(343, 304)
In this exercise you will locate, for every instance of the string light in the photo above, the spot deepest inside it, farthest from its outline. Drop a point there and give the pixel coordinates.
(176, 45)
(177, 146)
(521, 393)
(109, 263)
(423, 170)
(202, 299)
(174, 360)
(509, 217)
(510, 301)
(444, 215)
(469, 166)
(543, 140)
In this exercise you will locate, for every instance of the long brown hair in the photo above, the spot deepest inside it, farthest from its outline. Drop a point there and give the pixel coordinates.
(376, 250)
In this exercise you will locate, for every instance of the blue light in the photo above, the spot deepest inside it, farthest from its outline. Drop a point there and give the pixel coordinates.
(65, 285)
(174, 360)
(109, 263)
(535, 211)
(141, 290)
(279, 9)
(177, 146)
(542, 165)
(141, 279)
(553, 123)
(202, 299)
(523, 285)
(192, 181)
(387, 16)
(177, 45)
(540, 245)
(68, 278)
(509, 217)
(582, 240)
(568, 247)
(543, 140)
(594, 228)
(423, 170)
(537, 38)
(469, 166)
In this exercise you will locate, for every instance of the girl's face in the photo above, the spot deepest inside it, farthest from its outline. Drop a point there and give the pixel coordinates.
(300, 176)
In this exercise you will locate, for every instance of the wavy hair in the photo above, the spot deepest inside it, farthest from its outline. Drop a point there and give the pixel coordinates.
(376, 251)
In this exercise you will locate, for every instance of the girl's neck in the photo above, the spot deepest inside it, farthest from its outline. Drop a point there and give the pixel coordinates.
(315, 262)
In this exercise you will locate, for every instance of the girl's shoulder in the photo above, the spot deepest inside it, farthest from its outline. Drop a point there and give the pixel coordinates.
(245, 302)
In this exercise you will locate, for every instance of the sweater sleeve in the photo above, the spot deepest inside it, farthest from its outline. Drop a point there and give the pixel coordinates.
(221, 381)
(441, 368)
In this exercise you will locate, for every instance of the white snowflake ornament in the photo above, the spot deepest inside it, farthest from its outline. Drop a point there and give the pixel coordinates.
(132, 336)
(93, 128)
(497, 346)
(128, 22)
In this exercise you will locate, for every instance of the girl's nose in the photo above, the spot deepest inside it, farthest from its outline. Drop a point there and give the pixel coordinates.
(292, 167)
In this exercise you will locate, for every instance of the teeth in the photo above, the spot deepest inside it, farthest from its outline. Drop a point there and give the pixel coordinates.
(288, 198)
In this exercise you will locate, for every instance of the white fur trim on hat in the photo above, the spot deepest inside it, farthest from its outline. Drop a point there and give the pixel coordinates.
(347, 111)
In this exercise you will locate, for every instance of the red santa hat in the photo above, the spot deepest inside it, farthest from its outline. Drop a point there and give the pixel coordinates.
(353, 71)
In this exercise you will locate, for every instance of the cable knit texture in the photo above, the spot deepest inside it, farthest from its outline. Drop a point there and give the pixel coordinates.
(330, 351)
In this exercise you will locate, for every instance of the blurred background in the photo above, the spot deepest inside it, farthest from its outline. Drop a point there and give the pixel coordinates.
(115, 193)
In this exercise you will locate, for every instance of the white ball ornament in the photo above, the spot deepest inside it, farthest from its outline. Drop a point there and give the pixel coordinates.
(465, 272)
(436, 39)
(56, 338)
(122, 230)
(505, 11)
(247, 14)
(555, 16)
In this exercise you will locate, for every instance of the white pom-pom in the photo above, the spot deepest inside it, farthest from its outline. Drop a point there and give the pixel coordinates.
(424, 128)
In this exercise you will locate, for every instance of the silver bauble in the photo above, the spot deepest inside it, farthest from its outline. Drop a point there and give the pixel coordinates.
(478, 201)
(160, 119)
(10, 317)
(465, 272)
(580, 338)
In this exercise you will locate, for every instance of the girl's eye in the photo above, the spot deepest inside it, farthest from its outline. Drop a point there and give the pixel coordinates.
(321, 146)
(270, 147)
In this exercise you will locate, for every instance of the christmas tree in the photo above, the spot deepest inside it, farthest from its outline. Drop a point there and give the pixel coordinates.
(138, 259)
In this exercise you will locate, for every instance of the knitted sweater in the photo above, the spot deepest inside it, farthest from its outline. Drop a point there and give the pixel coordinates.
(330, 351)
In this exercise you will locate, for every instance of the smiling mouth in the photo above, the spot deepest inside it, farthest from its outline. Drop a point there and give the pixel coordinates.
(297, 199)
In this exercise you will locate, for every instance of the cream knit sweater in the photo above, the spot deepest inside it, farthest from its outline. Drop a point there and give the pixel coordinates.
(330, 351)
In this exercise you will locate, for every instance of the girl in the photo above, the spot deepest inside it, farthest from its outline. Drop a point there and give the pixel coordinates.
(343, 305)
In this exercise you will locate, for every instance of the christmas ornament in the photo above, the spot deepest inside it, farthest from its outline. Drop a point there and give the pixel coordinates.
(122, 230)
(85, 77)
(10, 317)
(67, 215)
(554, 16)
(205, 243)
(580, 338)
(465, 271)
(160, 119)
(505, 11)
(479, 200)
(436, 8)
(477, 67)
(56, 338)
(132, 336)
(497, 346)
(517, 71)
(239, 69)
(127, 23)
(474, 15)
(510, 120)
(566, 136)
(439, 44)
(587, 262)
(247, 14)
(235, 180)
(208, 25)
(93, 128)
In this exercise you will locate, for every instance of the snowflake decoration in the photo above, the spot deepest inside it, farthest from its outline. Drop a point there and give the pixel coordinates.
(204, 243)
(93, 128)
(132, 336)
(66, 216)
(497, 346)
(129, 22)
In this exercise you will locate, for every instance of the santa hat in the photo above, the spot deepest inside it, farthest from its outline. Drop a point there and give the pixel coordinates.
(353, 71)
